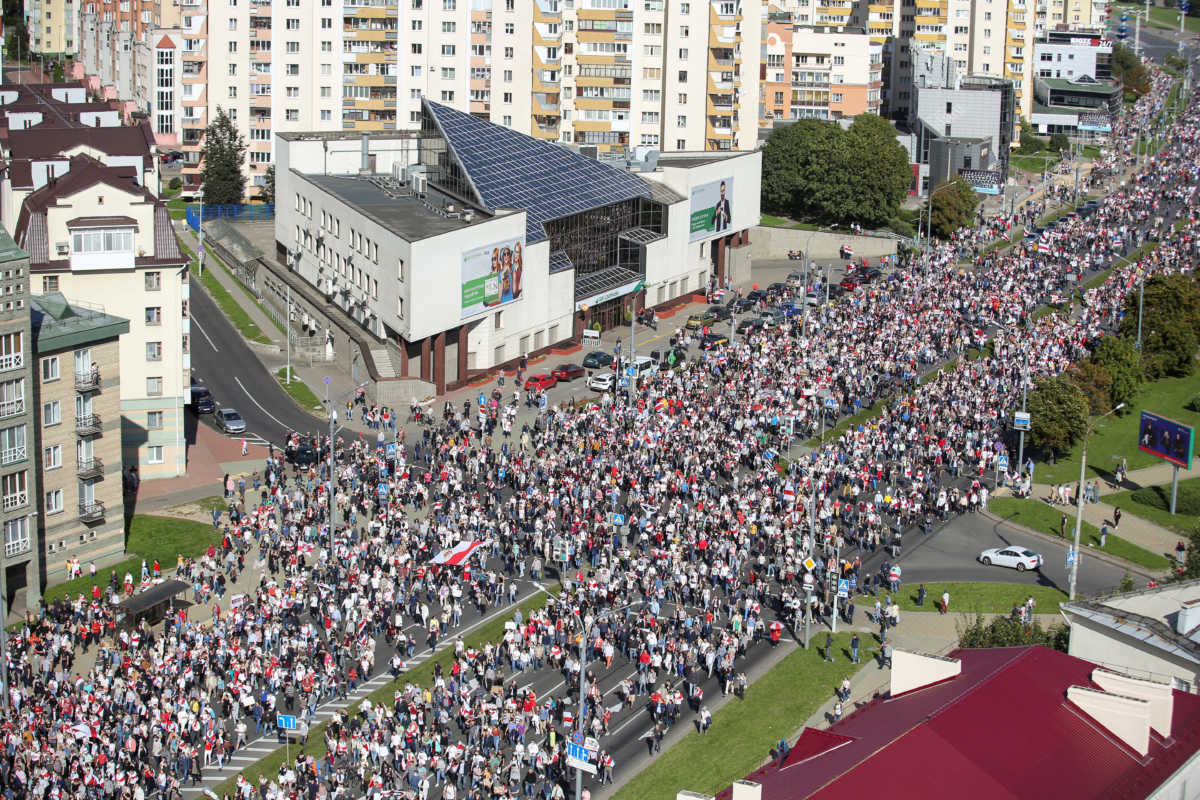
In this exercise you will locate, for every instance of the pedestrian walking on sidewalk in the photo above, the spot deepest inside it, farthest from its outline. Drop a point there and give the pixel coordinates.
(1117, 518)
(243, 447)
(945, 602)
(829, 647)
(854, 649)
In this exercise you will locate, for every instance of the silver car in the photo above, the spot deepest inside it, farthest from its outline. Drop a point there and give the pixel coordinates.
(602, 381)
(230, 421)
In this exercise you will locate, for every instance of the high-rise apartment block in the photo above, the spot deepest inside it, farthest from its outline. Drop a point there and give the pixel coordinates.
(614, 74)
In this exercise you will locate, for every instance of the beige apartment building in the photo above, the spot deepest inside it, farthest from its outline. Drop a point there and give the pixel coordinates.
(95, 233)
(53, 27)
(78, 379)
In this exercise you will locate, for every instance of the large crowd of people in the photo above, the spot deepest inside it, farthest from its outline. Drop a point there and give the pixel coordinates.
(709, 553)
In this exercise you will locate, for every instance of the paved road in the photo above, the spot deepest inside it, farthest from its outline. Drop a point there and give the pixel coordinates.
(222, 361)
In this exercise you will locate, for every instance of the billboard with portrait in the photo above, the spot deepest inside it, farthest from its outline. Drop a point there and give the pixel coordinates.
(1169, 440)
(491, 275)
(712, 209)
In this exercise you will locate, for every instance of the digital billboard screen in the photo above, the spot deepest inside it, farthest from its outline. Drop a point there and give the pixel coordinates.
(1169, 440)
(491, 275)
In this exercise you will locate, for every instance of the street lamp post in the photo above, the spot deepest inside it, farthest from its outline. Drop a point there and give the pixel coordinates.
(1079, 497)
(332, 422)
(584, 636)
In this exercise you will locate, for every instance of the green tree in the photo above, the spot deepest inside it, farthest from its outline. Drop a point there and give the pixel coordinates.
(57, 74)
(1170, 319)
(1124, 365)
(876, 172)
(267, 193)
(1094, 380)
(813, 169)
(223, 151)
(1058, 412)
(1030, 143)
(1060, 142)
(1129, 68)
(1008, 632)
(952, 207)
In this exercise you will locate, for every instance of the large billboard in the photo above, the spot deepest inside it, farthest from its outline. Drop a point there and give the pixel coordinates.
(712, 209)
(491, 275)
(1169, 440)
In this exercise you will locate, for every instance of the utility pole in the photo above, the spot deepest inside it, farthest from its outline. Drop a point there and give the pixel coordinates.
(1079, 499)
(583, 637)
(200, 257)
(1075, 196)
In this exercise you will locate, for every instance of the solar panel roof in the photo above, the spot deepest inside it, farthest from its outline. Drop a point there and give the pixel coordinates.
(512, 170)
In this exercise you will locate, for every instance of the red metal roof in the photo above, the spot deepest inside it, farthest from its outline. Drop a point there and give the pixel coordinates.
(995, 732)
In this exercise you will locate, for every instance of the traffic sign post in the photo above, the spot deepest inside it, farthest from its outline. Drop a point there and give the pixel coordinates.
(286, 722)
(577, 757)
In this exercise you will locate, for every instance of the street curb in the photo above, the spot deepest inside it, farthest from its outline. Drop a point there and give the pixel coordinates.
(1099, 555)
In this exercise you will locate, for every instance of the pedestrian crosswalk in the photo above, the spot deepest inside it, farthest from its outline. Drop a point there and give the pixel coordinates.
(251, 438)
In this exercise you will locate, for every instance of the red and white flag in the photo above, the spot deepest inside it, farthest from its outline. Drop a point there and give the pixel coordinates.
(457, 554)
(83, 731)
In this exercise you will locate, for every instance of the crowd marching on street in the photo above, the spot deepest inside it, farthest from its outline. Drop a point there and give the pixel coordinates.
(710, 556)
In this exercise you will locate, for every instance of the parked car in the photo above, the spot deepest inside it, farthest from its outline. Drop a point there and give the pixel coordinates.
(598, 359)
(774, 317)
(302, 454)
(749, 324)
(1018, 558)
(567, 372)
(720, 312)
(202, 400)
(230, 421)
(740, 305)
(836, 291)
(700, 320)
(537, 383)
(602, 381)
(849, 284)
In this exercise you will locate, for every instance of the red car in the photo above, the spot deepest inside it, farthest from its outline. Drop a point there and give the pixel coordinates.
(538, 382)
(849, 284)
(567, 372)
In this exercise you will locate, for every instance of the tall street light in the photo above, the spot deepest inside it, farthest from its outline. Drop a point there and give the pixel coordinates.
(1079, 497)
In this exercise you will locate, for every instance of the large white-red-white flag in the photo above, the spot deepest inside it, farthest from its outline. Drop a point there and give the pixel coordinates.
(458, 554)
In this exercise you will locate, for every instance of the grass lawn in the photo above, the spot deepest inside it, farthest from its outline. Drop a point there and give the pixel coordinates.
(743, 731)
(148, 537)
(1179, 522)
(1036, 163)
(783, 222)
(298, 389)
(850, 423)
(1090, 153)
(422, 675)
(229, 306)
(1046, 519)
(208, 504)
(1117, 436)
(246, 295)
(177, 208)
(979, 598)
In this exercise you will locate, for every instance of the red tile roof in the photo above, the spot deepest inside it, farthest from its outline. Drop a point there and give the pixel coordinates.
(1000, 728)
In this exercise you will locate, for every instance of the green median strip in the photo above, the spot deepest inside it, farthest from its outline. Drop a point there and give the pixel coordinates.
(421, 675)
(983, 597)
(1046, 519)
(229, 306)
(743, 731)
(298, 389)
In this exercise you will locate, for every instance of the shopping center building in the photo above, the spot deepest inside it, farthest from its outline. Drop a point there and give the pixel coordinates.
(467, 245)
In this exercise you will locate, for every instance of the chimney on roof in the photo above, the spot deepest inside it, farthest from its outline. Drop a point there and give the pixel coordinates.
(365, 167)
(917, 670)
(1188, 618)
(747, 790)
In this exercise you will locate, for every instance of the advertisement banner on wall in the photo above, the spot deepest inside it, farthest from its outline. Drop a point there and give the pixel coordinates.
(491, 275)
(712, 212)
(1169, 440)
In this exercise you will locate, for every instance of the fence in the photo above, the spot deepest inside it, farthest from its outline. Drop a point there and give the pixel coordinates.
(245, 213)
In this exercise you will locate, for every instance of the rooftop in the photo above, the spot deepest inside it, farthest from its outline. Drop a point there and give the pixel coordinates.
(9, 251)
(59, 325)
(981, 742)
(405, 215)
(1151, 615)
(1091, 85)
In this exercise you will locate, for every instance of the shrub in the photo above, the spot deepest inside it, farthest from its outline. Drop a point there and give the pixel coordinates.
(1187, 501)
(1060, 142)
(174, 184)
(1007, 632)
(1193, 404)
(902, 226)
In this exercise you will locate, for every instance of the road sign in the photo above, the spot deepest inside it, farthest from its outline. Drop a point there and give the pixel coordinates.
(383, 490)
(618, 519)
(1070, 556)
(843, 588)
(577, 757)
(542, 402)
(1021, 420)
(577, 737)
(1003, 462)
(808, 580)
(623, 382)
(285, 722)
(592, 746)
(830, 402)
(390, 450)
(631, 372)
(809, 564)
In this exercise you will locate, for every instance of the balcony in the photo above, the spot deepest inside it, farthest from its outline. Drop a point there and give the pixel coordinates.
(16, 547)
(87, 381)
(11, 361)
(88, 425)
(10, 408)
(16, 500)
(89, 468)
(91, 511)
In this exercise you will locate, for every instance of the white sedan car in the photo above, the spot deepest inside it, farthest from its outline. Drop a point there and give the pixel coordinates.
(602, 381)
(1017, 558)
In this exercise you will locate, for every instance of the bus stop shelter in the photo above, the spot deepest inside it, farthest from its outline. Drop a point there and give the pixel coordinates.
(152, 604)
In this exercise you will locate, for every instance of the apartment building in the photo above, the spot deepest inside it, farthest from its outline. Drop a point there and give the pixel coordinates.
(818, 72)
(96, 233)
(82, 513)
(53, 27)
(19, 487)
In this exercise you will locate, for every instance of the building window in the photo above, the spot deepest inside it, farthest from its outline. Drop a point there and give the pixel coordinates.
(54, 501)
(51, 413)
(16, 536)
(49, 284)
(154, 386)
(154, 454)
(50, 369)
(154, 420)
(12, 444)
(12, 397)
(154, 315)
(102, 240)
(153, 281)
(12, 353)
(154, 351)
(16, 493)
(52, 456)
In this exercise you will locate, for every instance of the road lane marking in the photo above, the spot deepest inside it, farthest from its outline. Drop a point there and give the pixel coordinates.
(252, 400)
(196, 322)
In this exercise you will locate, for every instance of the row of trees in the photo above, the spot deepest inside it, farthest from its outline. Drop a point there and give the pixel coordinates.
(818, 170)
(1116, 369)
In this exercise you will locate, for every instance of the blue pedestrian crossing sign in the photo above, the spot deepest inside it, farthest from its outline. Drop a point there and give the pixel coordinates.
(618, 519)
(1070, 556)
(285, 722)
(844, 588)
(1003, 462)
(830, 402)
(383, 490)
(390, 450)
